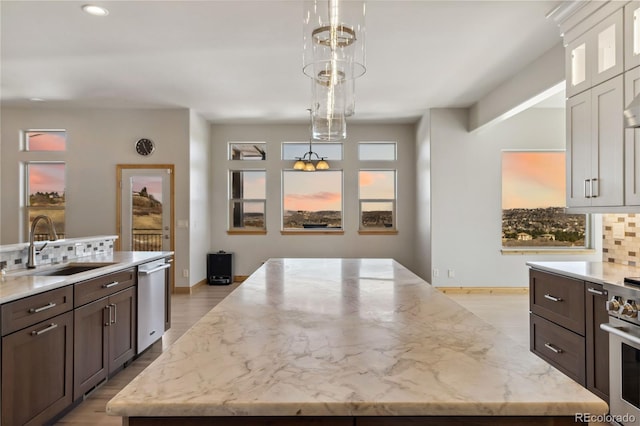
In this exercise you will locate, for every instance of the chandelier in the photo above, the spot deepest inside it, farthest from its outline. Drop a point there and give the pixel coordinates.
(333, 57)
(307, 163)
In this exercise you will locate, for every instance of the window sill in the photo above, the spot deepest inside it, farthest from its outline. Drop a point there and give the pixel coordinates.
(308, 232)
(380, 232)
(523, 251)
(247, 232)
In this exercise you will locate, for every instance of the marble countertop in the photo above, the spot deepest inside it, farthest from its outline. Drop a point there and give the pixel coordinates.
(354, 337)
(18, 283)
(596, 272)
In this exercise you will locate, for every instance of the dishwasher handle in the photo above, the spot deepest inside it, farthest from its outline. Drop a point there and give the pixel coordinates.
(151, 271)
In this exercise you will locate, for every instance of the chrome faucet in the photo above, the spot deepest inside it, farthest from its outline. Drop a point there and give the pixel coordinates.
(31, 262)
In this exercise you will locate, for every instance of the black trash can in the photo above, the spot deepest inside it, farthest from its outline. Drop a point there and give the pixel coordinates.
(219, 268)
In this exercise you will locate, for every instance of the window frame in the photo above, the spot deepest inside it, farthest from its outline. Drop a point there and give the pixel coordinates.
(312, 231)
(393, 228)
(231, 229)
(28, 208)
(26, 145)
(588, 227)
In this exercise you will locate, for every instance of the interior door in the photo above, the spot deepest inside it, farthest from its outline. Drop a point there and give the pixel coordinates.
(146, 207)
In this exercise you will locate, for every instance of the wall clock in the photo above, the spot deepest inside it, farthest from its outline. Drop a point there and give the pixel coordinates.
(145, 146)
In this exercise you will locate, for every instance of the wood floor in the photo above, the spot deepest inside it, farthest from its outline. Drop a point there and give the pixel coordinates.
(507, 312)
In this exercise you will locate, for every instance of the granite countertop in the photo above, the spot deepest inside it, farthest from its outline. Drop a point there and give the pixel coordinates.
(354, 337)
(596, 272)
(18, 284)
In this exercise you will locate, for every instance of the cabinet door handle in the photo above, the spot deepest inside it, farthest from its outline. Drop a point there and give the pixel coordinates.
(553, 298)
(43, 308)
(596, 192)
(115, 313)
(586, 185)
(553, 348)
(110, 284)
(44, 330)
(594, 291)
(108, 307)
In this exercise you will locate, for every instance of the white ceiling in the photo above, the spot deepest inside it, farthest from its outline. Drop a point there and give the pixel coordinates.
(240, 61)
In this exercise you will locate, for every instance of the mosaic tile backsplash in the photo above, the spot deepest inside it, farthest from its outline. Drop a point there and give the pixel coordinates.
(621, 238)
(55, 252)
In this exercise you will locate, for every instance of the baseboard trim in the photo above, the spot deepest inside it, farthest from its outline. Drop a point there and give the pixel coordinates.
(187, 290)
(484, 290)
(239, 278)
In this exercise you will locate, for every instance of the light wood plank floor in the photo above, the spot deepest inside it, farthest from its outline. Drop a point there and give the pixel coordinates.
(507, 312)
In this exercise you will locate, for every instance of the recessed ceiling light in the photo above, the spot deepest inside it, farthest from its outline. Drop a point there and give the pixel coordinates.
(95, 10)
(36, 99)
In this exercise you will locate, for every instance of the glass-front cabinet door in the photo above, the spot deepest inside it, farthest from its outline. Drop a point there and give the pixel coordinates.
(632, 35)
(595, 56)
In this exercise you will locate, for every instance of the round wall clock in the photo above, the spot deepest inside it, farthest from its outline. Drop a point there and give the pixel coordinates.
(145, 146)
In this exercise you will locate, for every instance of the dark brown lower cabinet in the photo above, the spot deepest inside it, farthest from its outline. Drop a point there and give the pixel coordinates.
(597, 341)
(566, 314)
(104, 339)
(37, 368)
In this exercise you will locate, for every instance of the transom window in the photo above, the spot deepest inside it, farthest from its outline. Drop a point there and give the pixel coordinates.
(45, 140)
(247, 151)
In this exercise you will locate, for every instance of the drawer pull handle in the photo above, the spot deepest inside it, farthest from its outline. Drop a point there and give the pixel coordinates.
(553, 298)
(44, 330)
(594, 291)
(553, 348)
(110, 284)
(43, 308)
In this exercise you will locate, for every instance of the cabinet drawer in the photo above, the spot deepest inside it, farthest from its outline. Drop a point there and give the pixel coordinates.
(558, 299)
(33, 309)
(558, 346)
(97, 288)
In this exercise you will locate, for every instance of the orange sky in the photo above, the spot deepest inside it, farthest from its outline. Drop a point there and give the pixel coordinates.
(47, 140)
(533, 179)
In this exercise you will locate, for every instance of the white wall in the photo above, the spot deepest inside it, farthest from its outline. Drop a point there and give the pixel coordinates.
(98, 140)
(466, 195)
(199, 197)
(251, 250)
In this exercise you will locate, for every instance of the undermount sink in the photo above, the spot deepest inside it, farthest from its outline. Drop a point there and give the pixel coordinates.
(70, 269)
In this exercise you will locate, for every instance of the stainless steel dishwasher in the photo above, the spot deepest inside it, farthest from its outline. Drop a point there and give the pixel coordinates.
(151, 302)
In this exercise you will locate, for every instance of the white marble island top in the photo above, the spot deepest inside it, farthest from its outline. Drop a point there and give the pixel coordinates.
(347, 337)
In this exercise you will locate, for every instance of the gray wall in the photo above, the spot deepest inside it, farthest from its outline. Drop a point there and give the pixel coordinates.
(251, 250)
(466, 195)
(98, 139)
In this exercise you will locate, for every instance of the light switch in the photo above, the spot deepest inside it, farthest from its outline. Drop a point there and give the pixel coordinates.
(183, 223)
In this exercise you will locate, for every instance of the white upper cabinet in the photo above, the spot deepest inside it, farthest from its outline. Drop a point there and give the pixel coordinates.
(632, 35)
(632, 143)
(595, 56)
(595, 146)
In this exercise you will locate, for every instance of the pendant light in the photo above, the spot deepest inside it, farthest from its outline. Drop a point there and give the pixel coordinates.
(306, 162)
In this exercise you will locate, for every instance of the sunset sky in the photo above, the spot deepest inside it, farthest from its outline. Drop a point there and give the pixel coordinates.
(46, 177)
(46, 140)
(152, 183)
(533, 179)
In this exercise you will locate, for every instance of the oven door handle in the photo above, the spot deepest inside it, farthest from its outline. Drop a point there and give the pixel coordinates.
(619, 331)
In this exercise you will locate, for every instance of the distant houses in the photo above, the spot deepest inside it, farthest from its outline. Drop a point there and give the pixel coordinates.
(523, 236)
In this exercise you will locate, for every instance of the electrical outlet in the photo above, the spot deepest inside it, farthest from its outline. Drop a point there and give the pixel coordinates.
(452, 273)
(436, 272)
(185, 273)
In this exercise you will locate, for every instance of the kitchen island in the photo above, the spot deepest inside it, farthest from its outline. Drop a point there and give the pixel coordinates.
(347, 341)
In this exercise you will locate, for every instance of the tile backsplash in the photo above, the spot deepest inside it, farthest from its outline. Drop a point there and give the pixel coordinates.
(621, 238)
(56, 252)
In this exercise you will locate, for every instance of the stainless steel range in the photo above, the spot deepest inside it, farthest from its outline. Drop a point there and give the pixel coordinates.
(624, 351)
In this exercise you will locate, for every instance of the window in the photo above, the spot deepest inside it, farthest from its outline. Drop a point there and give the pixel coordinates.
(247, 151)
(533, 203)
(45, 195)
(295, 150)
(45, 140)
(385, 151)
(312, 200)
(377, 189)
(247, 202)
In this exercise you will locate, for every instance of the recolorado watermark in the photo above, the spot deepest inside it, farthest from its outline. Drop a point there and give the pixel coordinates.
(604, 418)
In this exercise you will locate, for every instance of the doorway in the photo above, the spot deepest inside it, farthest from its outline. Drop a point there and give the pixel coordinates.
(145, 207)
